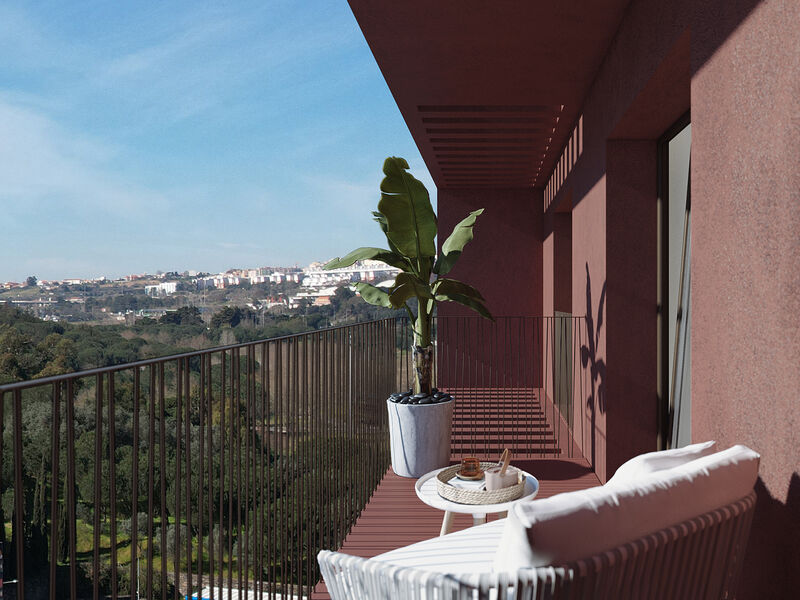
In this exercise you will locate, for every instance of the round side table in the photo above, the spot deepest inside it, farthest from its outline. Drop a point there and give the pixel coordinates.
(426, 491)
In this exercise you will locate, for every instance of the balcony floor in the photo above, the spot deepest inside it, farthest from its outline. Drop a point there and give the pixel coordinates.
(395, 517)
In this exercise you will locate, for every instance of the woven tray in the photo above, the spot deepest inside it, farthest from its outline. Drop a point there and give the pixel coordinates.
(454, 494)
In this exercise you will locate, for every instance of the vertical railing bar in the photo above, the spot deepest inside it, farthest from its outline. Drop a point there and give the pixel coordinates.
(358, 384)
(112, 485)
(201, 470)
(316, 436)
(337, 395)
(546, 373)
(270, 479)
(238, 469)
(178, 423)
(222, 444)
(98, 479)
(231, 427)
(525, 393)
(282, 408)
(151, 459)
(71, 516)
(134, 566)
(316, 455)
(55, 447)
(264, 428)
(248, 433)
(308, 440)
(551, 349)
(212, 566)
(187, 390)
(18, 534)
(162, 457)
(297, 431)
(327, 513)
(528, 362)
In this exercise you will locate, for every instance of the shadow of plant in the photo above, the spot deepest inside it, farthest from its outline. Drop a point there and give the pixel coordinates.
(597, 367)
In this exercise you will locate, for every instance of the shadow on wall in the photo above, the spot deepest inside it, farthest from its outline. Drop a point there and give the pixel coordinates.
(775, 535)
(597, 367)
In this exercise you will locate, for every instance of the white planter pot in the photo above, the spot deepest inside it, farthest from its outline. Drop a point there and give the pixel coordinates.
(419, 437)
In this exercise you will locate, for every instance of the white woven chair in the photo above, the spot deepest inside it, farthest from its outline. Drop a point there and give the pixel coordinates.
(699, 558)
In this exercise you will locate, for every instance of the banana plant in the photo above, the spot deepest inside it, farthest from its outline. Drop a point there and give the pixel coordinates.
(406, 217)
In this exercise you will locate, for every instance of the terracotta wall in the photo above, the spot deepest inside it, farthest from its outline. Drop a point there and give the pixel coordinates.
(746, 263)
(504, 261)
(642, 87)
(736, 65)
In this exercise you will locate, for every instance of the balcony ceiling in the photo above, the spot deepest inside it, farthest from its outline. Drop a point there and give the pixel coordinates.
(490, 90)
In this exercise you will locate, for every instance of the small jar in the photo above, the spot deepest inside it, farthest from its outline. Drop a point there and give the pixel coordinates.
(470, 467)
(496, 481)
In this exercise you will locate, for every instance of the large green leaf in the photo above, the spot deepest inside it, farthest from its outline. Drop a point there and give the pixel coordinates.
(381, 221)
(467, 301)
(451, 286)
(409, 218)
(373, 295)
(454, 244)
(407, 286)
(366, 253)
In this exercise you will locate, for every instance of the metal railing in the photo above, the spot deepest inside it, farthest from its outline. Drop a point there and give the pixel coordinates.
(223, 469)
(518, 382)
(227, 469)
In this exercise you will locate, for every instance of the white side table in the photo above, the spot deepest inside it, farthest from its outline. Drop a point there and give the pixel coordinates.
(426, 491)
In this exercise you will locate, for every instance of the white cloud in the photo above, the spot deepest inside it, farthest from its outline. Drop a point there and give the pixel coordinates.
(43, 163)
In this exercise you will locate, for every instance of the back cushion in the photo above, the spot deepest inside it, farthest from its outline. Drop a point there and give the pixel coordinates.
(658, 461)
(576, 525)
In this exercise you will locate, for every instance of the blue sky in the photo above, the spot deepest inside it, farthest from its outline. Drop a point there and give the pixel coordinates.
(180, 135)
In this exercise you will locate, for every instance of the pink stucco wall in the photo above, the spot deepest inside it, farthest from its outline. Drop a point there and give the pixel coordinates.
(613, 193)
(504, 260)
(746, 263)
(736, 65)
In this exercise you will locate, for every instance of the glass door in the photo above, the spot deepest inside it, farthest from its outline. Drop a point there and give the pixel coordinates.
(675, 293)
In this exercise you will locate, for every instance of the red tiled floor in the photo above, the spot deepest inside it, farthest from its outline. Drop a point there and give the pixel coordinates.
(395, 517)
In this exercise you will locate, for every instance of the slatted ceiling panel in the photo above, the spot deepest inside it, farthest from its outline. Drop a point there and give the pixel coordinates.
(489, 145)
(395, 517)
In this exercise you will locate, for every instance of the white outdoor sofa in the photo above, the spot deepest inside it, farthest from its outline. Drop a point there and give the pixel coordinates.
(670, 524)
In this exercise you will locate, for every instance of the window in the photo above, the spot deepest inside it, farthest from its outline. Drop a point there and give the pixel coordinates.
(675, 289)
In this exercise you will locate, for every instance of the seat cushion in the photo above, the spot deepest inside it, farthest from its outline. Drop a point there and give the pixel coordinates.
(658, 461)
(576, 525)
(468, 551)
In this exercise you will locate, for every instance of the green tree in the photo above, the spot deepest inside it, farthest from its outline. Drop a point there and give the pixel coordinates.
(31, 281)
(185, 315)
(230, 316)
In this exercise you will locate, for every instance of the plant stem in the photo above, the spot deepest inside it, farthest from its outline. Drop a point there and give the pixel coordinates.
(422, 351)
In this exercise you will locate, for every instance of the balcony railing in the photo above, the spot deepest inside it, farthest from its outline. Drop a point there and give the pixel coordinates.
(518, 382)
(228, 469)
(225, 468)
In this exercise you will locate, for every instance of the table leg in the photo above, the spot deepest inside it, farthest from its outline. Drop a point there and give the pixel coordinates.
(478, 519)
(447, 523)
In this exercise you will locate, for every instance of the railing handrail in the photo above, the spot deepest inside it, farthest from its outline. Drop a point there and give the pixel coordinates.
(28, 383)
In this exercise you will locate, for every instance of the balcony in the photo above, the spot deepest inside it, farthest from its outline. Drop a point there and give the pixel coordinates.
(221, 473)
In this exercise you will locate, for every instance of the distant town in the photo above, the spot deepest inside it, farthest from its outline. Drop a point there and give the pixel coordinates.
(275, 290)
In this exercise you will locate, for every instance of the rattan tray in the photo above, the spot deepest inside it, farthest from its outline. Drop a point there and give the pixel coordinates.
(454, 494)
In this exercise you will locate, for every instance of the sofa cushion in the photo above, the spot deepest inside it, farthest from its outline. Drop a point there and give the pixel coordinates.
(658, 461)
(468, 551)
(576, 525)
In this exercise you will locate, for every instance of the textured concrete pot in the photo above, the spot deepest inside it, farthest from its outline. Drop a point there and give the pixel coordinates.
(419, 437)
